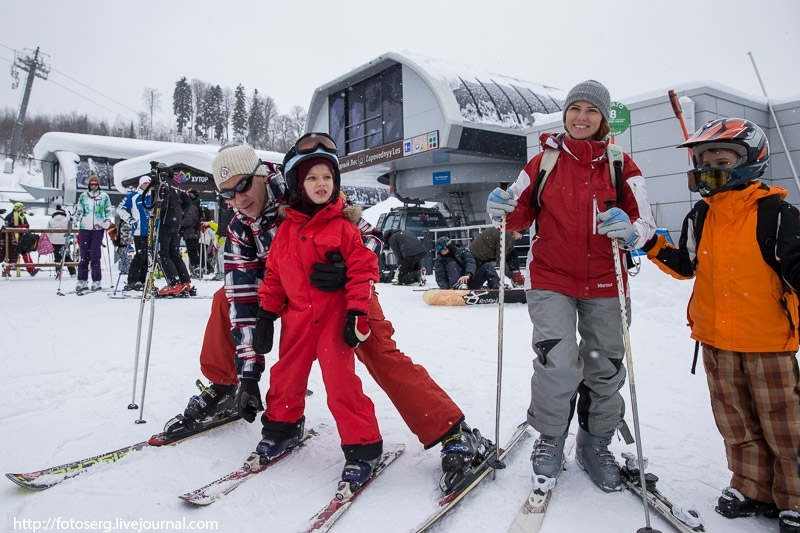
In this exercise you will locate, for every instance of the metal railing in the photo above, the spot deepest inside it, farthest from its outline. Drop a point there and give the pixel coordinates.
(7, 235)
(463, 236)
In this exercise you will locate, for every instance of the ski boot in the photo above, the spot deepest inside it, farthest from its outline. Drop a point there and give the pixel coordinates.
(462, 450)
(35, 271)
(189, 290)
(789, 522)
(593, 457)
(547, 459)
(82, 285)
(171, 290)
(423, 280)
(278, 437)
(96, 286)
(354, 475)
(734, 504)
(214, 403)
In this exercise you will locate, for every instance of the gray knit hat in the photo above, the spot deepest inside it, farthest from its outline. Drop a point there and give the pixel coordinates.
(236, 161)
(590, 91)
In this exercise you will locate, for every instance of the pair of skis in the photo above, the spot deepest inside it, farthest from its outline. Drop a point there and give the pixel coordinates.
(685, 520)
(324, 519)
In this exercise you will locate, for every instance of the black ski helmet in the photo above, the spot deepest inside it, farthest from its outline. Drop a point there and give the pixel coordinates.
(311, 145)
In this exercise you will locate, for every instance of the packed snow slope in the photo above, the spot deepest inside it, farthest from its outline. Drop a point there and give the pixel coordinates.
(68, 366)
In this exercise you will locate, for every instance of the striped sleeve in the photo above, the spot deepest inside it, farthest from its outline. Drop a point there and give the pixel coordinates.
(244, 255)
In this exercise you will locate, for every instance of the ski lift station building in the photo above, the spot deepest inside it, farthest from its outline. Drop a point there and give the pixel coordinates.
(438, 132)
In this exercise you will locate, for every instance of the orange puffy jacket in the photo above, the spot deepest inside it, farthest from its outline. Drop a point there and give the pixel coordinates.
(735, 304)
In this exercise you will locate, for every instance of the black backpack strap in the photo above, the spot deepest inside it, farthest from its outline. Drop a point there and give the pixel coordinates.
(767, 229)
(618, 180)
(769, 209)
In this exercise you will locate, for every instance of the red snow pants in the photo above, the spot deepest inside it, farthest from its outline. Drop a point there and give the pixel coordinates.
(426, 409)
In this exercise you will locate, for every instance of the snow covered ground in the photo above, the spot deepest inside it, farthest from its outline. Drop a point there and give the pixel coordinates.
(68, 369)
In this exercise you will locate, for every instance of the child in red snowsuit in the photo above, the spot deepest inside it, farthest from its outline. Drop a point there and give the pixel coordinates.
(315, 324)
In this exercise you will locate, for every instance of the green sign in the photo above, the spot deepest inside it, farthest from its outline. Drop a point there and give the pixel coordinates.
(619, 119)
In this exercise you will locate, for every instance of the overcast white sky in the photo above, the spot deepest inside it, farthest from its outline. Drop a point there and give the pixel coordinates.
(104, 53)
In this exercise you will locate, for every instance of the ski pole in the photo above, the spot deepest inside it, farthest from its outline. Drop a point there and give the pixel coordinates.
(626, 340)
(150, 195)
(496, 463)
(64, 254)
(676, 108)
(775, 119)
(150, 288)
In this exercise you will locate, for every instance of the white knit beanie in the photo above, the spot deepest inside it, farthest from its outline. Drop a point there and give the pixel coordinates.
(236, 161)
(590, 91)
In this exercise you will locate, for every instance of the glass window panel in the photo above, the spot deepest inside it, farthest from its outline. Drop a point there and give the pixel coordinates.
(336, 120)
(355, 119)
(392, 105)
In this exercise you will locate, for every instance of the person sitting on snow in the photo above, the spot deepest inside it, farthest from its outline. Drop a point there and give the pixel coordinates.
(455, 268)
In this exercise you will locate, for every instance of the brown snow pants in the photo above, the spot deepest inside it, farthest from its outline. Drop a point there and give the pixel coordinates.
(756, 405)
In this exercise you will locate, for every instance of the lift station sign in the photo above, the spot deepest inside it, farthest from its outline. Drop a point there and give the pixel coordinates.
(390, 152)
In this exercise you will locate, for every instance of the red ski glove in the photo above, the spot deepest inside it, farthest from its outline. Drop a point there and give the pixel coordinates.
(356, 328)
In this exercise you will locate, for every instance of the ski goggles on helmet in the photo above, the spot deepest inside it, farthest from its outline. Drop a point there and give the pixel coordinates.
(311, 142)
(440, 246)
(241, 187)
(712, 179)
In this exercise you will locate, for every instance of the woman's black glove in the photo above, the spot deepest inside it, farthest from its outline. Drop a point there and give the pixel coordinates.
(264, 331)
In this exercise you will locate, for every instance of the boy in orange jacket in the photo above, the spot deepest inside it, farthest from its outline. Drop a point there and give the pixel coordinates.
(745, 316)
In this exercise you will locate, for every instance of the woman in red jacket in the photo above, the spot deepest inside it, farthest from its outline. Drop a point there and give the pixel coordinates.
(315, 324)
(573, 284)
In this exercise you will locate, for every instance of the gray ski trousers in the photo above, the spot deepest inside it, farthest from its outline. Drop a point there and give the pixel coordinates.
(563, 363)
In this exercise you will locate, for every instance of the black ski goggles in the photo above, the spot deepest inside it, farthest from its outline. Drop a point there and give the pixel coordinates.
(711, 179)
(311, 142)
(241, 187)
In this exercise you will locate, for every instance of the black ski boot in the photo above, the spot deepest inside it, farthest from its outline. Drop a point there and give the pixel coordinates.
(462, 450)
(789, 522)
(734, 504)
(214, 403)
(356, 472)
(277, 437)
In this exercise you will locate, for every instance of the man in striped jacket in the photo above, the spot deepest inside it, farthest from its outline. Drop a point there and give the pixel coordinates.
(256, 189)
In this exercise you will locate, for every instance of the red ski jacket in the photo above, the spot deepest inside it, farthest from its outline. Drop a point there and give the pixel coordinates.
(568, 255)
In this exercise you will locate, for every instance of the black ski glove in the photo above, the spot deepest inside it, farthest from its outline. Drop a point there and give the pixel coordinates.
(356, 328)
(329, 277)
(264, 331)
(248, 399)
